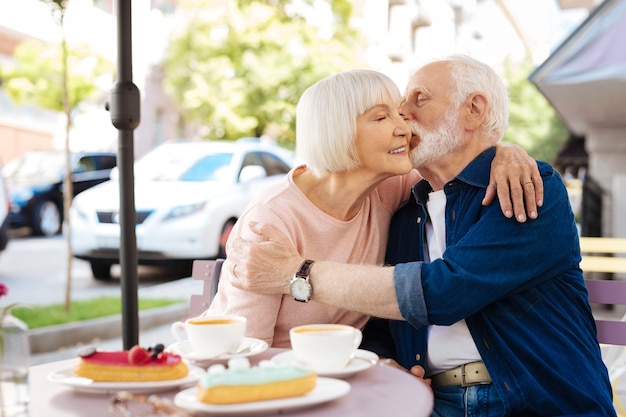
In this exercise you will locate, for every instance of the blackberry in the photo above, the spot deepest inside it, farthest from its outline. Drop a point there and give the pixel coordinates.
(156, 349)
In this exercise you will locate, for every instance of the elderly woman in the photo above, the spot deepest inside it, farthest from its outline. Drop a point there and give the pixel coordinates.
(338, 206)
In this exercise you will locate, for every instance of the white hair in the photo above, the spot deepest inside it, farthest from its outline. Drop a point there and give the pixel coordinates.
(470, 76)
(327, 113)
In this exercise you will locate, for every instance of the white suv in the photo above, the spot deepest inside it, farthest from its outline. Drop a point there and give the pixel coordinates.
(5, 207)
(188, 196)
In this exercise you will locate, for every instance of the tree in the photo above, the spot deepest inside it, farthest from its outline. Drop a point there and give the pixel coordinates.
(238, 68)
(533, 122)
(36, 76)
(56, 79)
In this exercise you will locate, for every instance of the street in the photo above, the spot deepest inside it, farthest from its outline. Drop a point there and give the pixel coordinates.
(35, 270)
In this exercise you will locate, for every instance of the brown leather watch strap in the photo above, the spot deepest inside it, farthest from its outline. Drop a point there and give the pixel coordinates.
(305, 269)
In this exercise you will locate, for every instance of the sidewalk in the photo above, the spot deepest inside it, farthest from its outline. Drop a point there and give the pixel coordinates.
(154, 326)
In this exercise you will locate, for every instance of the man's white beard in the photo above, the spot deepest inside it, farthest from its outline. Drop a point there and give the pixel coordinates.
(434, 144)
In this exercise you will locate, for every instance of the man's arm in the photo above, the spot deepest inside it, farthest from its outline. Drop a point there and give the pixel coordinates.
(364, 288)
(516, 180)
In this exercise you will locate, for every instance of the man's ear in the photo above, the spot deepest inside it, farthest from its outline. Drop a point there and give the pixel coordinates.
(477, 111)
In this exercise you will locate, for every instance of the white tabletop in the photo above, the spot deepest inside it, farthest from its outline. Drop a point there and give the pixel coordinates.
(377, 391)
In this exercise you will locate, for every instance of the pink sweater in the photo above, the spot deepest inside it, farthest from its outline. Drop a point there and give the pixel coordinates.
(316, 235)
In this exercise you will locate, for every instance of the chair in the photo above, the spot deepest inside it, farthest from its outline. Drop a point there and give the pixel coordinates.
(209, 272)
(603, 254)
(611, 331)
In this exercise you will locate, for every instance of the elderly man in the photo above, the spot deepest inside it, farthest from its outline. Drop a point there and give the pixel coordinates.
(495, 310)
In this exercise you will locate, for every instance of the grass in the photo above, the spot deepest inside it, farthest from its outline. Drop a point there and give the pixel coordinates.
(54, 314)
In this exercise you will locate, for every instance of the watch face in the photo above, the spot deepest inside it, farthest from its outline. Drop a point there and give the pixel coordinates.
(300, 289)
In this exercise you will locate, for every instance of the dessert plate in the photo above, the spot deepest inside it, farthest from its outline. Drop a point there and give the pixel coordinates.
(67, 377)
(363, 360)
(249, 347)
(326, 389)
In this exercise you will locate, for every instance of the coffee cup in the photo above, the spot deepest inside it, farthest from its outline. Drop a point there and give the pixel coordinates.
(210, 336)
(324, 347)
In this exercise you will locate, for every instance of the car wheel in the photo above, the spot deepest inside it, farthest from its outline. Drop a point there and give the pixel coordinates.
(228, 227)
(46, 219)
(101, 270)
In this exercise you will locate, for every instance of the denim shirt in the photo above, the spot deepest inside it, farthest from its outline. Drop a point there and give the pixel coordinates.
(517, 285)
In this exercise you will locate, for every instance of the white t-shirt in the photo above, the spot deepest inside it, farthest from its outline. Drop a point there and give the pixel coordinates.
(448, 346)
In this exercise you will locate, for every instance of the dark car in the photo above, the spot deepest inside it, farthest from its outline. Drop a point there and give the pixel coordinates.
(35, 183)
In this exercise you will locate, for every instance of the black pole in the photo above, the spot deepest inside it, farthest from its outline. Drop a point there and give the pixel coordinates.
(124, 109)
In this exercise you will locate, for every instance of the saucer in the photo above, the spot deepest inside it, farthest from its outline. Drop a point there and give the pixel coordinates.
(355, 364)
(69, 378)
(252, 345)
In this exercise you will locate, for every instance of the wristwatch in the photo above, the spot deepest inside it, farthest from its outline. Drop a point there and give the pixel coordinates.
(299, 286)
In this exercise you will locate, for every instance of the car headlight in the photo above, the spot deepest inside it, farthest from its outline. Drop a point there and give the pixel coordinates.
(79, 210)
(186, 210)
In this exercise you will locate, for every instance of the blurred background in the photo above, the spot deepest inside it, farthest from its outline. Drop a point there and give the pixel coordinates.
(226, 69)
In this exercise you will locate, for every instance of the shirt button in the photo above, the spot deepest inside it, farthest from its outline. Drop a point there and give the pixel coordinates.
(418, 357)
(419, 220)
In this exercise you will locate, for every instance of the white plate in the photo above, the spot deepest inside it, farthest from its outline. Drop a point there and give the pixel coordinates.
(67, 377)
(326, 389)
(355, 365)
(185, 350)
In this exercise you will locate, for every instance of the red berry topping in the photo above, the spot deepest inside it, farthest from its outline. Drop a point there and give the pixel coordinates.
(138, 356)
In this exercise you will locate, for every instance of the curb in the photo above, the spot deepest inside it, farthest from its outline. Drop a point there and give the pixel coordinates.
(52, 338)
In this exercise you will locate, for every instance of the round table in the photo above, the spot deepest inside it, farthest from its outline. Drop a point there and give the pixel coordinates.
(376, 391)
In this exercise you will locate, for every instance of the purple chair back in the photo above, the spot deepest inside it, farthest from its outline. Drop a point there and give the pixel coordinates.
(209, 272)
(611, 332)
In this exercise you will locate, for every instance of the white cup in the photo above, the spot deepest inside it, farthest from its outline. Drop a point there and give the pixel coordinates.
(325, 347)
(211, 336)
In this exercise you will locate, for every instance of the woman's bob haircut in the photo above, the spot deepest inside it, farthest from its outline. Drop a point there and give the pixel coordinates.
(327, 113)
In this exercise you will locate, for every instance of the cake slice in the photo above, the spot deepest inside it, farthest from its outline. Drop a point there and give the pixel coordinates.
(134, 365)
(241, 383)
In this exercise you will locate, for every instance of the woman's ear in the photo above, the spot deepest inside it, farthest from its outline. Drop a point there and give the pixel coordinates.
(477, 111)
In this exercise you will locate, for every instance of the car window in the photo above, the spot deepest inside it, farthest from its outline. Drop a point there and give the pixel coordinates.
(164, 164)
(274, 165)
(42, 165)
(86, 164)
(252, 158)
(105, 162)
(209, 168)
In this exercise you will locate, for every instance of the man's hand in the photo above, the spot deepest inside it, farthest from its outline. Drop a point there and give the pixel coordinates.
(519, 185)
(264, 265)
(419, 372)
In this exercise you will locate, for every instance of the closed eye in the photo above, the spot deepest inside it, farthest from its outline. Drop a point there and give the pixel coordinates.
(418, 97)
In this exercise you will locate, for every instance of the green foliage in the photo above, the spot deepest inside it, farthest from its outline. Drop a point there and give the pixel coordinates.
(238, 68)
(533, 123)
(57, 8)
(50, 315)
(36, 75)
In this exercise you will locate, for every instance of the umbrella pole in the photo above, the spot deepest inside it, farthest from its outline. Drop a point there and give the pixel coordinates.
(124, 107)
